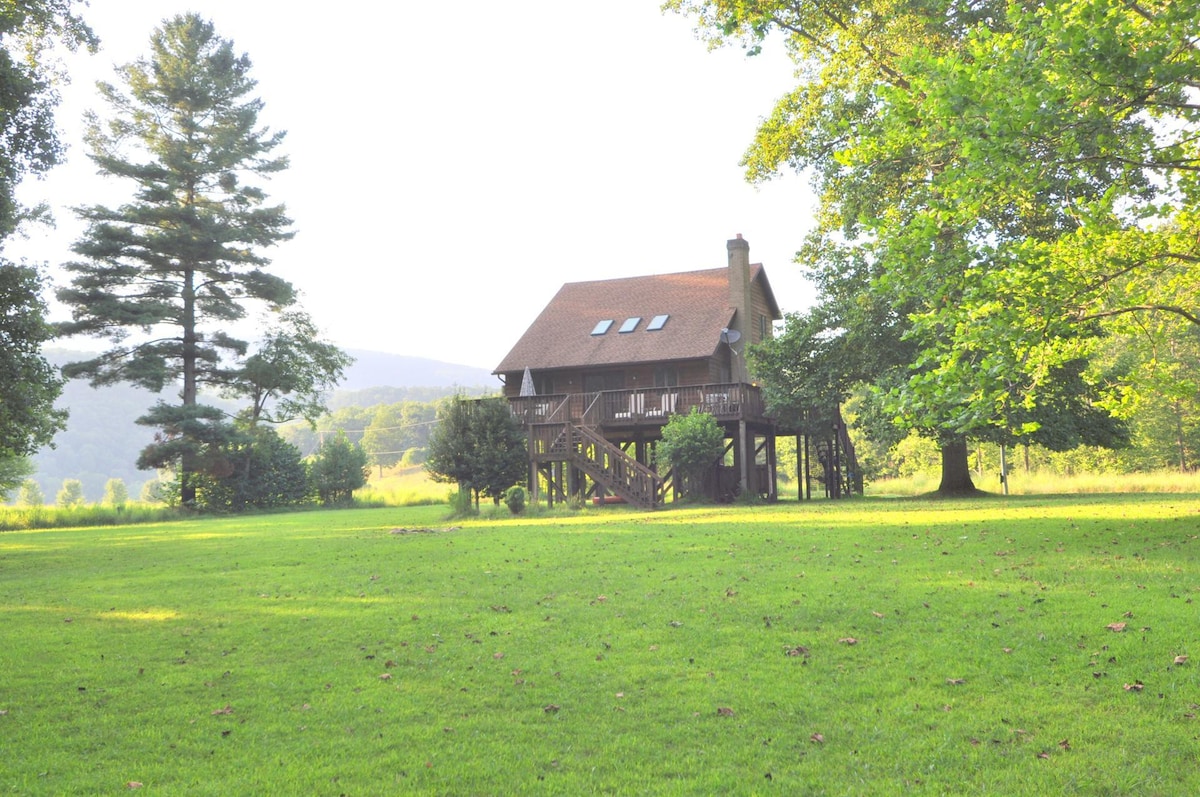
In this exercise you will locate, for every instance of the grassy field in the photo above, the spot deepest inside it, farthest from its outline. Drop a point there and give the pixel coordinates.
(1029, 645)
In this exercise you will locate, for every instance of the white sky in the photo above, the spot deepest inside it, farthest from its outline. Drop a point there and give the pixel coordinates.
(453, 164)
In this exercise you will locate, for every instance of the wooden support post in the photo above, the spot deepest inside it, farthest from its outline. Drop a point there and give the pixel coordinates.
(806, 484)
(772, 481)
(743, 455)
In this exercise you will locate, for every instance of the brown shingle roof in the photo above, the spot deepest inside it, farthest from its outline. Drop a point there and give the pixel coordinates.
(696, 301)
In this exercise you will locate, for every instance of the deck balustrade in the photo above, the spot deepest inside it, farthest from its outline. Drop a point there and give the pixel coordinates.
(632, 407)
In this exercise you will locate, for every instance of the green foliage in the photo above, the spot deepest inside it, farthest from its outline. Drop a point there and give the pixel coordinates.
(351, 421)
(28, 140)
(116, 494)
(449, 457)
(184, 254)
(499, 452)
(31, 494)
(152, 492)
(14, 471)
(290, 374)
(196, 434)
(70, 494)
(1002, 185)
(413, 456)
(261, 471)
(462, 504)
(28, 384)
(691, 444)
(395, 429)
(478, 445)
(514, 499)
(339, 469)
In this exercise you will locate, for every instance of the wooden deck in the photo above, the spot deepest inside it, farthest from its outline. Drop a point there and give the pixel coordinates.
(639, 407)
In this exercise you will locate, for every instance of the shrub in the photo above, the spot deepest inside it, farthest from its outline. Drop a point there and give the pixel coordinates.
(462, 504)
(691, 444)
(264, 472)
(339, 469)
(514, 498)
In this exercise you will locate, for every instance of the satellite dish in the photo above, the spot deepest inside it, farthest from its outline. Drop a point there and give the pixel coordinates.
(730, 336)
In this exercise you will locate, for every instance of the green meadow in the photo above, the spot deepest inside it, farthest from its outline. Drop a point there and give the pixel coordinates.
(1028, 645)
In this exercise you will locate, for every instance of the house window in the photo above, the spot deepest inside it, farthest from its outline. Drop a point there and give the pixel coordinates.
(603, 380)
(666, 376)
(630, 324)
(657, 323)
(602, 327)
(762, 327)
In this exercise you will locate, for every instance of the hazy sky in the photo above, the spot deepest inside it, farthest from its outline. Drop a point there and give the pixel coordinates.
(453, 164)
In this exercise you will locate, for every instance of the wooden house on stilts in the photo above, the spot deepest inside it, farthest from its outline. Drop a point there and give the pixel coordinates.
(606, 364)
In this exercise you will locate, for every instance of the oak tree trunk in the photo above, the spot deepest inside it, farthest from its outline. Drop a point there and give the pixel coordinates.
(956, 469)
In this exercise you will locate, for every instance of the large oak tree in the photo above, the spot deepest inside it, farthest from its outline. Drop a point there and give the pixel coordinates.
(919, 221)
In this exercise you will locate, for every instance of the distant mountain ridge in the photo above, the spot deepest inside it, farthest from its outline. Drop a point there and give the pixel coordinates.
(381, 369)
(102, 441)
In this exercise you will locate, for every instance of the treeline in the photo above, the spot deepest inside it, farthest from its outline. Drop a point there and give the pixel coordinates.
(102, 440)
(389, 433)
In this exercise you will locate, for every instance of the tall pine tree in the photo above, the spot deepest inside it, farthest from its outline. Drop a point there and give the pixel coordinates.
(166, 275)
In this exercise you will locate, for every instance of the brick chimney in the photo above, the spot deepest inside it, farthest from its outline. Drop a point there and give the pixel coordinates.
(740, 300)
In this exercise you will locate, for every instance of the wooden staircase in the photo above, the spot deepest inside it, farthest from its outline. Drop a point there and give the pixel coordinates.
(608, 465)
(837, 456)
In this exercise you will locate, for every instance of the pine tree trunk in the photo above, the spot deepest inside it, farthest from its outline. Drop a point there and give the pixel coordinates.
(956, 468)
(188, 464)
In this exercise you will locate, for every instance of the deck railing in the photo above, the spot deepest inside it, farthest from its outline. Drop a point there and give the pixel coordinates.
(724, 401)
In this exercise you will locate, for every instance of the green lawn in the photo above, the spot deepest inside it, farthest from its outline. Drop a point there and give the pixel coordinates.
(863, 647)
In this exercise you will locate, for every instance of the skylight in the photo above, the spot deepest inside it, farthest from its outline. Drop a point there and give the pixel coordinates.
(630, 324)
(657, 323)
(602, 327)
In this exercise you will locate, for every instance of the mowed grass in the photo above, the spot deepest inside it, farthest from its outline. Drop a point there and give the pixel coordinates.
(862, 647)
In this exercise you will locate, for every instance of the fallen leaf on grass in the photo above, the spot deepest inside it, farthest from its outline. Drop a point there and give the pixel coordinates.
(798, 650)
(724, 711)
(227, 710)
(1136, 686)
(134, 784)
(956, 681)
(498, 655)
(877, 614)
(1180, 660)
(818, 738)
(550, 709)
(848, 640)
(387, 676)
(1065, 744)
(1116, 627)
(1043, 754)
